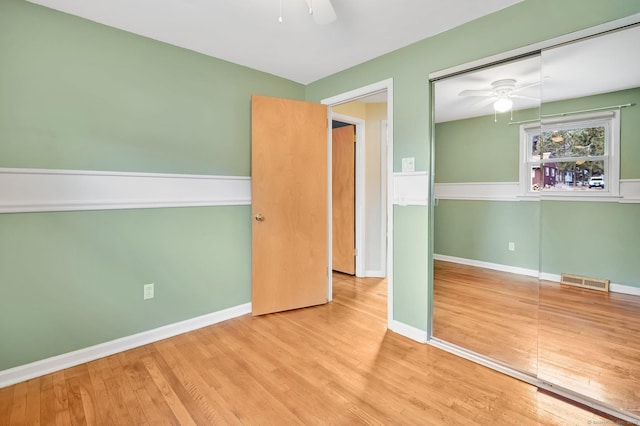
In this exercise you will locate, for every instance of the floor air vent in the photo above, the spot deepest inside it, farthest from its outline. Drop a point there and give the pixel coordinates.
(585, 282)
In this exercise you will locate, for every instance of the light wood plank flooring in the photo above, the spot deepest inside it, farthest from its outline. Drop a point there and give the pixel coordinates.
(331, 364)
(582, 340)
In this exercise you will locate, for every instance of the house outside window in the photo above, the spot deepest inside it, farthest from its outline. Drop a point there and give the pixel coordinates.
(574, 156)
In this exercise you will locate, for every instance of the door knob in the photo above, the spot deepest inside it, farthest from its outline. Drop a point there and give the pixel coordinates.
(259, 217)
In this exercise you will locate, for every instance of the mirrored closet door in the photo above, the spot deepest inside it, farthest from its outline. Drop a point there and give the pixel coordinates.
(589, 150)
(485, 239)
(536, 242)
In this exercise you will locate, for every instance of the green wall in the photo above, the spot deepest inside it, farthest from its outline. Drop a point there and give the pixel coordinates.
(527, 22)
(79, 95)
(74, 279)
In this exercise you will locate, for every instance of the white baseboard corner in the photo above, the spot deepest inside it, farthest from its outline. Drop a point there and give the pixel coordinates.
(409, 331)
(60, 362)
(487, 265)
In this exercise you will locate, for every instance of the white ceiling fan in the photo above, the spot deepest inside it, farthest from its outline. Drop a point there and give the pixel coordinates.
(321, 10)
(501, 94)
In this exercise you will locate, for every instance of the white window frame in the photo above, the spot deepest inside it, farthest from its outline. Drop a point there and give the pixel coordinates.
(610, 120)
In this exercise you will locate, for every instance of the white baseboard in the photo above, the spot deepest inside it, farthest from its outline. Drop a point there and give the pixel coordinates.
(487, 265)
(71, 359)
(374, 274)
(613, 287)
(411, 332)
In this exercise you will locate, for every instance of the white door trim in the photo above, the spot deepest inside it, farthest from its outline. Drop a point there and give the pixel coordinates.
(384, 85)
(359, 186)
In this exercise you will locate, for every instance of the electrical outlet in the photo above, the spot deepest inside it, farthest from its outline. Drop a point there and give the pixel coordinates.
(512, 246)
(148, 291)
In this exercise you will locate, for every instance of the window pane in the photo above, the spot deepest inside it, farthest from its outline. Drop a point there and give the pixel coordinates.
(574, 142)
(568, 176)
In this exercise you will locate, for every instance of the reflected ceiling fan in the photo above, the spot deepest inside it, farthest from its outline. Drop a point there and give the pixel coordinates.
(501, 94)
(321, 10)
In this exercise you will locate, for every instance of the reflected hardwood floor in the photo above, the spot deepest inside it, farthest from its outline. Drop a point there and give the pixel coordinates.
(579, 339)
(488, 312)
(590, 342)
(330, 364)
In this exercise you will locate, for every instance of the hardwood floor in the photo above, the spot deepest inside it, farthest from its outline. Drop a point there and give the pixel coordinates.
(579, 339)
(330, 364)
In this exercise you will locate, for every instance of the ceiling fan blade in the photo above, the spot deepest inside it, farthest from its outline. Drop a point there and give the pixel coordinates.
(485, 102)
(476, 93)
(526, 86)
(322, 11)
(525, 97)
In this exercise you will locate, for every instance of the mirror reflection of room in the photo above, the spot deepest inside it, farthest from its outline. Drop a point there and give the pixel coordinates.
(485, 238)
(590, 239)
(537, 217)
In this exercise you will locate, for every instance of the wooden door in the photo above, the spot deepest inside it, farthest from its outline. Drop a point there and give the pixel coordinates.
(343, 222)
(289, 204)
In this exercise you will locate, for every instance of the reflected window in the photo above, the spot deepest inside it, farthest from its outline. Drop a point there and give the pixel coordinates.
(571, 155)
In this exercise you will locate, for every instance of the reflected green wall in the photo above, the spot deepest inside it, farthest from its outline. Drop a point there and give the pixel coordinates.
(482, 230)
(600, 240)
(629, 123)
(479, 149)
(550, 236)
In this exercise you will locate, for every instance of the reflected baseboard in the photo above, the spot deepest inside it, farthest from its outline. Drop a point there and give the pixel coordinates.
(533, 380)
(487, 265)
(613, 287)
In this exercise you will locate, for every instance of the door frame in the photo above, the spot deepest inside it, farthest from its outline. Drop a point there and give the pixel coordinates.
(353, 95)
(359, 187)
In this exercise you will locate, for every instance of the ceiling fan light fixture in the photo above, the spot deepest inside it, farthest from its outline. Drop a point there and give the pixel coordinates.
(503, 104)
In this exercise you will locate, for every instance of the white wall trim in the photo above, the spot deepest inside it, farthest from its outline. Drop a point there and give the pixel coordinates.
(370, 273)
(487, 265)
(384, 135)
(630, 190)
(70, 359)
(509, 191)
(42, 190)
(491, 191)
(613, 288)
(409, 331)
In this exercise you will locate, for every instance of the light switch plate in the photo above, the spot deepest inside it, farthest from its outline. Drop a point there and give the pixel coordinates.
(408, 164)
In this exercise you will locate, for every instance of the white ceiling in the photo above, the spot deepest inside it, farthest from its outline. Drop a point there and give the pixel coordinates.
(588, 67)
(247, 32)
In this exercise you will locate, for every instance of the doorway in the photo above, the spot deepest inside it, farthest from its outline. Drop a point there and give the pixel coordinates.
(373, 173)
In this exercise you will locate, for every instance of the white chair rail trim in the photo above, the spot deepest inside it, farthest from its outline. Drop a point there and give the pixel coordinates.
(510, 191)
(42, 190)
